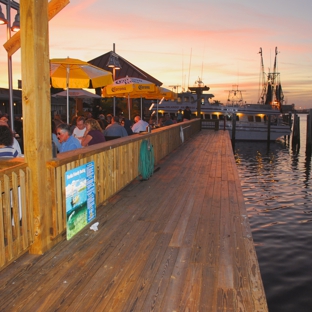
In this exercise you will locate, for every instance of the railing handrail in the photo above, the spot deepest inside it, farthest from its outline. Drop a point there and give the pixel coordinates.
(63, 158)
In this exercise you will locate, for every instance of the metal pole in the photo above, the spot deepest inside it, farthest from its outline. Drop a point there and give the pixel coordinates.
(10, 80)
(67, 93)
(114, 99)
(157, 113)
(114, 77)
(141, 108)
(14, 5)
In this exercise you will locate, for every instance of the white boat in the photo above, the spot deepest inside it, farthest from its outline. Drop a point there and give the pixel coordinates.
(270, 119)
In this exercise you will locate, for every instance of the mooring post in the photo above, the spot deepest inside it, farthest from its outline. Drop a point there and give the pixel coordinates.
(296, 134)
(309, 133)
(269, 129)
(233, 127)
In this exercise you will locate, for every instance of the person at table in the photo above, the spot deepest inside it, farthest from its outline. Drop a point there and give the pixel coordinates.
(140, 125)
(179, 115)
(15, 144)
(187, 114)
(54, 136)
(168, 121)
(68, 142)
(6, 143)
(126, 123)
(115, 129)
(94, 134)
(80, 129)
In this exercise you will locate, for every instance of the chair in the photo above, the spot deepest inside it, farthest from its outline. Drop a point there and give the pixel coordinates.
(111, 137)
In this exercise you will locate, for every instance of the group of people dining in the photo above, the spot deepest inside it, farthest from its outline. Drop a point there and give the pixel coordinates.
(83, 131)
(86, 131)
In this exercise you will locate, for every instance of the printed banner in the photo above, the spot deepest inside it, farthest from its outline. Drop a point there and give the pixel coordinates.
(80, 198)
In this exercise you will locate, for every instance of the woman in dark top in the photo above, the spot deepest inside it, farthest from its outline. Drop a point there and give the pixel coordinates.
(94, 134)
(127, 124)
(6, 142)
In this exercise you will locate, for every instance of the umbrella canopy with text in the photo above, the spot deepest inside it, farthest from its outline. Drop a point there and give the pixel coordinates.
(130, 87)
(73, 73)
(161, 92)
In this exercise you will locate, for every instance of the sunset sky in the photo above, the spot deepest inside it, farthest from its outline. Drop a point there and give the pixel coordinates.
(178, 41)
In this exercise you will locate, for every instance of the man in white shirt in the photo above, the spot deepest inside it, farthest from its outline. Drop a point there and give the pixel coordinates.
(140, 125)
(80, 129)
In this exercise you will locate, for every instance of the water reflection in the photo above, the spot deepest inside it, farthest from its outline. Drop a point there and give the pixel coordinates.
(276, 185)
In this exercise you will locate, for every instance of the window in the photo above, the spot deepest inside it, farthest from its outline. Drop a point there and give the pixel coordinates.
(250, 118)
(258, 118)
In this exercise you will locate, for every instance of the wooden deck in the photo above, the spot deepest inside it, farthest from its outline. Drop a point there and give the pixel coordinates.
(180, 241)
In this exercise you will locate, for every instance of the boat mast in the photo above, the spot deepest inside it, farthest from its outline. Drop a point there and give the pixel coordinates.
(272, 93)
(235, 97)
(262, 80)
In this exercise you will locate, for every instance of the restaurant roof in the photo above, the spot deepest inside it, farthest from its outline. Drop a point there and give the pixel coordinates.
(127, 68)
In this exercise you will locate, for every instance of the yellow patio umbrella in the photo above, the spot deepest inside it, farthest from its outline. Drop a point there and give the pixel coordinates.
(161, 92)
(73, 73)
(130, 87)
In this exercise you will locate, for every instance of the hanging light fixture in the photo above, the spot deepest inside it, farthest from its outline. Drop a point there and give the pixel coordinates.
(16, 24)
(113, 61)
(3, 20)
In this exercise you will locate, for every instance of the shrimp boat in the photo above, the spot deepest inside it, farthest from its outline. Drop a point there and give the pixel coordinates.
(269, 119)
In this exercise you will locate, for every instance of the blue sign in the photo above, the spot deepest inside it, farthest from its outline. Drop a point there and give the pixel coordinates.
(80, 198)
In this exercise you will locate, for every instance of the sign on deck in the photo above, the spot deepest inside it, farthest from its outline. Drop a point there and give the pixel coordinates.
(80, 198)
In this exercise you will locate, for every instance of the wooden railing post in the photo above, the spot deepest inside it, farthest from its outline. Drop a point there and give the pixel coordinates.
(37, 113)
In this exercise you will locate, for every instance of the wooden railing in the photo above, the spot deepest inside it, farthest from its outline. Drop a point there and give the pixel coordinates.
(116, 165)
(16, 221)
(210, 124)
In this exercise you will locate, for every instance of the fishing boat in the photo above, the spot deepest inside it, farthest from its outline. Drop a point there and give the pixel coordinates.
(269, 119)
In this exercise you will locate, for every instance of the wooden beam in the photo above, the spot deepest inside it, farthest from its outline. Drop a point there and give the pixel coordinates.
(54, 7)
(37, 114)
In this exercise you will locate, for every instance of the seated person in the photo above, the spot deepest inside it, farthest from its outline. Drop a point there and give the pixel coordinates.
(80, 128)
(15, 142)
(6, 142)
(115, 129)
(54, 137)
(127, 124)
(168, 121)
(68, 142)
(140, 125)
(94, 134)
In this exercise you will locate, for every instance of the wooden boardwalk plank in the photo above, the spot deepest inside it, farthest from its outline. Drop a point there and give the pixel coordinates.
(180, 241)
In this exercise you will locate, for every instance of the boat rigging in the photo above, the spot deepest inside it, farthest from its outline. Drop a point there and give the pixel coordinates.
(272, 93)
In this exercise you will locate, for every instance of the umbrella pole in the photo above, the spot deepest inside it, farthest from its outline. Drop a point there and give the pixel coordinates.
(141, 109)
(67, 95)
(157, 112)
(114, 106)
(129, 106)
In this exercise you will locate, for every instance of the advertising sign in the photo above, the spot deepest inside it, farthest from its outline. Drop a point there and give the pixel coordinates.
(80, 198)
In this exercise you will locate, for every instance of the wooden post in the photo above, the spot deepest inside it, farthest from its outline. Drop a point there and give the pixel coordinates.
(269, 129)
(309, 133)
(37, 113)
(233, 127)
(296, 134)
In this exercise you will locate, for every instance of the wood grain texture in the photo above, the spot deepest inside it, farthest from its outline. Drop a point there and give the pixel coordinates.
(180, 241)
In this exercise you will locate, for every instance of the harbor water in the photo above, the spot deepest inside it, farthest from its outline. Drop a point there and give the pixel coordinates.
(277, 188)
